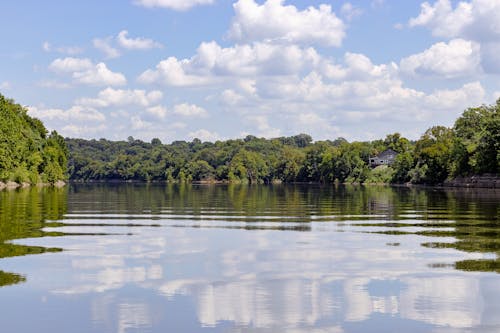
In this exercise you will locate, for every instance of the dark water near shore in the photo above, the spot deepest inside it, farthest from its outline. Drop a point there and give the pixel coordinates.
(156, 258)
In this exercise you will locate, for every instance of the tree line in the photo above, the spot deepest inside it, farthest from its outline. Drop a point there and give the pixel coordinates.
(470, 147)
(28, 153)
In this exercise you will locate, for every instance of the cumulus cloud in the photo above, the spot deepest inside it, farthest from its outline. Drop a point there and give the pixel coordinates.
(469, 94)
(119, 97)
(158, 111)
(457, 58)
(357, 66)
(137, 123)
(190, 110)
(204, 135)
(172, 72)
(82, 131)
(104, 45)
(231, 98)
(138, 43)
(180, 5)
(78, 113)
(83, 71)
(212, 60)
(261, 124)
(442, 19)
(386, 93)
(273, 20)
(476, 19)
(69, 64)
(100, 75)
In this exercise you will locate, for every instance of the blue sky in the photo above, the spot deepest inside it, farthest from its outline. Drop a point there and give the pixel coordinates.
(219, 69)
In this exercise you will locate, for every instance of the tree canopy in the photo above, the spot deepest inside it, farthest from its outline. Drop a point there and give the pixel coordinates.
(28, 153)
(471, 146)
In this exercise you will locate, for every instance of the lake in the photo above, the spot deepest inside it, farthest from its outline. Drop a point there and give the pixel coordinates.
(224, 258)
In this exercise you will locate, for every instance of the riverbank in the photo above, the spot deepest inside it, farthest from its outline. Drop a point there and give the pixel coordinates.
(484, 181)
(13, 185)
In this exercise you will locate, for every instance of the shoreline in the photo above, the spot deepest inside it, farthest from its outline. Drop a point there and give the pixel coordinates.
(476, 182)
(10, 185)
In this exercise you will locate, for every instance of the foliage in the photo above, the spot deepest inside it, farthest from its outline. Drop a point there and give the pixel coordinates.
(381, 174)
(27, 153)
(433, 155)
(471, 146)
(476, 149)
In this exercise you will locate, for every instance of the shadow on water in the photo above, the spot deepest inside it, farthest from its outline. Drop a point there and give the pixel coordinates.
(23, 214)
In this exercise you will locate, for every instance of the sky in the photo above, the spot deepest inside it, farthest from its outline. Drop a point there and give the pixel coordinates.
(224, 69)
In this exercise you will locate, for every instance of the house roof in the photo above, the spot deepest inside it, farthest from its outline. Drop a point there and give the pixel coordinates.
(386, 153)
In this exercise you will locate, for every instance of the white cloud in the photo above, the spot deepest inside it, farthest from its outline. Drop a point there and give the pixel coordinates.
(104, 45)
(69, 64)
(53, 84)
(261, 123)
(384, 93)
(75, 113)
(138, 43)
(190, 110)
(158, 111)
(457, 58)
(46, 46)
(204, 135)
(442, 19)
(285, 23)
(212, 60)
(231, 98)
(82, 131)
(359, 66)
(180, 5)
(171, 72)
(100, 75)
(83, 71)
(399, 26)
(469, 94)
(119, 97)
(5, 85)
(477, 19)
(70, 50)
(138, 123)
(377, 3)
(349, 11)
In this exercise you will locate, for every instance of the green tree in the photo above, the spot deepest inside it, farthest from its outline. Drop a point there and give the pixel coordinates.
(26, 153)
(433, 154)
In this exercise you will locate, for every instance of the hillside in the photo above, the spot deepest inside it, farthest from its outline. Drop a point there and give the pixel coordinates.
(28, 154)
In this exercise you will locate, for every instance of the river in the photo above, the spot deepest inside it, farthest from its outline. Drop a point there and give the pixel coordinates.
(228, 258)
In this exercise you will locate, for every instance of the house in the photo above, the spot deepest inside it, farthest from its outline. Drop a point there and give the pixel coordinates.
(386, 157)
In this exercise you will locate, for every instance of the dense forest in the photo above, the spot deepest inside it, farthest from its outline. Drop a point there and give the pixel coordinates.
(28, 153)
(470, 147)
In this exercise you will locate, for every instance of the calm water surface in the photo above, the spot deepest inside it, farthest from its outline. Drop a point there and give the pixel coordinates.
(156, 258)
